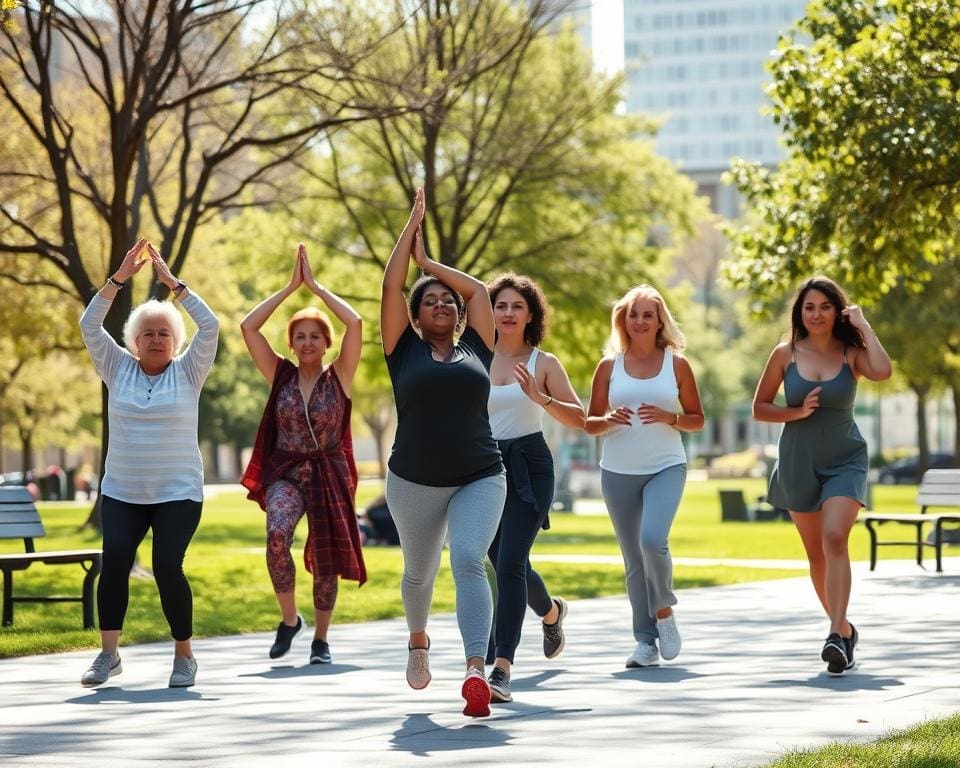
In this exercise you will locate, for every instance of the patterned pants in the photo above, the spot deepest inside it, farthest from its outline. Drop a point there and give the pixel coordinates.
(285, 507)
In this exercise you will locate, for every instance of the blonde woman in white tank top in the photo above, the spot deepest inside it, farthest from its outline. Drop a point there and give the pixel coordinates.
(644, 394)
(525, 383)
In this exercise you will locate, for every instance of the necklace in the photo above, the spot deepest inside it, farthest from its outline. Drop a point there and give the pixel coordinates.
(151, 380)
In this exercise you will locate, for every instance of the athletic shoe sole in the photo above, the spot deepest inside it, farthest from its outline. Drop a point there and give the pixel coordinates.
(499, 697)
(476, 692)
(836, 659)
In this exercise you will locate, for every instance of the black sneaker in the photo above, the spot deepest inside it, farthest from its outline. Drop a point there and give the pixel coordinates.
(835, 654)
(553, 639)
(285, 635)
(499, 686)
(320, 652)
(851, 643)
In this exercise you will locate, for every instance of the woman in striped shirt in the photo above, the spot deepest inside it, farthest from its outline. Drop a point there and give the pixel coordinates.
(154, 474)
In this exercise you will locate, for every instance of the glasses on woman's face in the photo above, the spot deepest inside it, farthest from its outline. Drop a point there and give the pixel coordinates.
(433, 301)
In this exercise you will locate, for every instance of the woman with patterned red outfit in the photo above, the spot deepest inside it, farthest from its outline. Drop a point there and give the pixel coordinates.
(302, 459)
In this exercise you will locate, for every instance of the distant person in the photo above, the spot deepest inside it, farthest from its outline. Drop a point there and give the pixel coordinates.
(302, 462)
(445, 473)
(526, 382)
(644, 395)
(379, 525)
(153, 479)
(821, 473)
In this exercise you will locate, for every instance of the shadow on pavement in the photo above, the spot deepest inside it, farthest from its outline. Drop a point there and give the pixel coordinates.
(149, 696)
(307, 670)
(658, 674)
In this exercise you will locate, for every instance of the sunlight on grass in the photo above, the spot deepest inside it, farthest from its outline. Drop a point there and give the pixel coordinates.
(934, 744)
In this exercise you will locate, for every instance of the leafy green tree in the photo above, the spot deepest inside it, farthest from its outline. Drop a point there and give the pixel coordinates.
(866, 94)
(526, 164)
(156, 118)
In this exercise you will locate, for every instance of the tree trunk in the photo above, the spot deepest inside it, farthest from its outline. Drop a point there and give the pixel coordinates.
(955, 389)
(378, 422)
(923, 439)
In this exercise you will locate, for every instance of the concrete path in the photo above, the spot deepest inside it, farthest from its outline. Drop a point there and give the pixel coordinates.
(748, 686)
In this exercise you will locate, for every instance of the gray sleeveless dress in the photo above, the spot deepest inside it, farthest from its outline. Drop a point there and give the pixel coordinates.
(823, 455)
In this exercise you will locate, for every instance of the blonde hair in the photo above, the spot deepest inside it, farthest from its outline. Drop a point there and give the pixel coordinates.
(669, 335)
(151, 310)
(311, 313)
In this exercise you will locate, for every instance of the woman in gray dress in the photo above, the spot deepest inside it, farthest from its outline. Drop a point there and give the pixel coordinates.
(821, 473)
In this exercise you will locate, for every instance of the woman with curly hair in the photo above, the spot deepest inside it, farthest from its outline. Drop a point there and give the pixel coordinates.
(526, 382)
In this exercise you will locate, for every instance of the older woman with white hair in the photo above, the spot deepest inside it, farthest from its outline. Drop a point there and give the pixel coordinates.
(154, 474)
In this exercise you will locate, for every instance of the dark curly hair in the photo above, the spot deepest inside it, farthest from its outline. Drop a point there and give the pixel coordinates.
(536, 329)
(842, 330)
(416, 297)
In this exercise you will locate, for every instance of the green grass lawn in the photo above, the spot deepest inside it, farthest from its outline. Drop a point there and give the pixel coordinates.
(934, 744)
(232, 592)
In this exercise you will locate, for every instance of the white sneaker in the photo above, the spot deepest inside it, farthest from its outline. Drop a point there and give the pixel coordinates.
(644, 655)
(669, 637)
(105, 666)
(184, 672)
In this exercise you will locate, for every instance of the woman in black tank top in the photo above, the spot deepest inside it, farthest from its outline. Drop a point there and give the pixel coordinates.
(821, 472)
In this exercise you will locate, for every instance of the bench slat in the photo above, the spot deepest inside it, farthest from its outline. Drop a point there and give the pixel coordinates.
(62, 556)
(22, 531)
(13, 493)
(19, 516)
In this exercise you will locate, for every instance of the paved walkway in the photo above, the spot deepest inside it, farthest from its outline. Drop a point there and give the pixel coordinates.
(748, 686)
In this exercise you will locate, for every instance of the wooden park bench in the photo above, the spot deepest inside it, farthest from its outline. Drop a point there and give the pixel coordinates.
(938, 488)
(19, 519)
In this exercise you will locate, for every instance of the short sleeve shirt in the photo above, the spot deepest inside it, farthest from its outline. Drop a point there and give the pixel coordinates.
(443, 434)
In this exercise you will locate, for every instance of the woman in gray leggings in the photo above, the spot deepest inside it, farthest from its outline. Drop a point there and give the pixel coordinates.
(634, 402)
(445, 473)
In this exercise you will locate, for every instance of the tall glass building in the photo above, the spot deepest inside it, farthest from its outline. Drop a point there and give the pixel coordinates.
(700, 66)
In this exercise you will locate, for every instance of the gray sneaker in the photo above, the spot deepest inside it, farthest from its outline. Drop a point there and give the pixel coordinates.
(105, 666)
(553, 638)
(499, 681)
(184, 672)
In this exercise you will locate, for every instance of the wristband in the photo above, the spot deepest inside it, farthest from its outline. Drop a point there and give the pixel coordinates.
(676, 419)
(178, 288)
(115, 283)
(549, 400)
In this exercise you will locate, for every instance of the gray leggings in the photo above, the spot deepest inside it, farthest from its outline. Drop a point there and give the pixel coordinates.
(423, 514)
(642, 508)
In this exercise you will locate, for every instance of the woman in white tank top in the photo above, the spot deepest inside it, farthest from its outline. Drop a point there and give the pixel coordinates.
(644, 394)
(525, 383)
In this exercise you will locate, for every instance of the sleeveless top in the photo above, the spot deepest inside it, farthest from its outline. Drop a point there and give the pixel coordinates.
(643, 449)
(823, 455)
(512, 413)
(836, 395)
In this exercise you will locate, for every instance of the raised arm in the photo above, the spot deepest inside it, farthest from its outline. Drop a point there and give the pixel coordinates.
(348, 360)
(474, 292)
(872, 362)
(393, 305)
(557, 398)
(103, 350)
(203, 346)
(264, 357)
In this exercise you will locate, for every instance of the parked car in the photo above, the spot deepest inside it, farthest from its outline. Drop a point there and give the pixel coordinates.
(904, 471)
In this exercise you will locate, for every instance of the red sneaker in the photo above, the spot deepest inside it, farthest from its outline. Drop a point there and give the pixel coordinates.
(476, 692)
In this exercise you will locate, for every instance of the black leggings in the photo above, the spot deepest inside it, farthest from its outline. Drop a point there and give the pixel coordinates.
(518, 585)
(124, 527)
